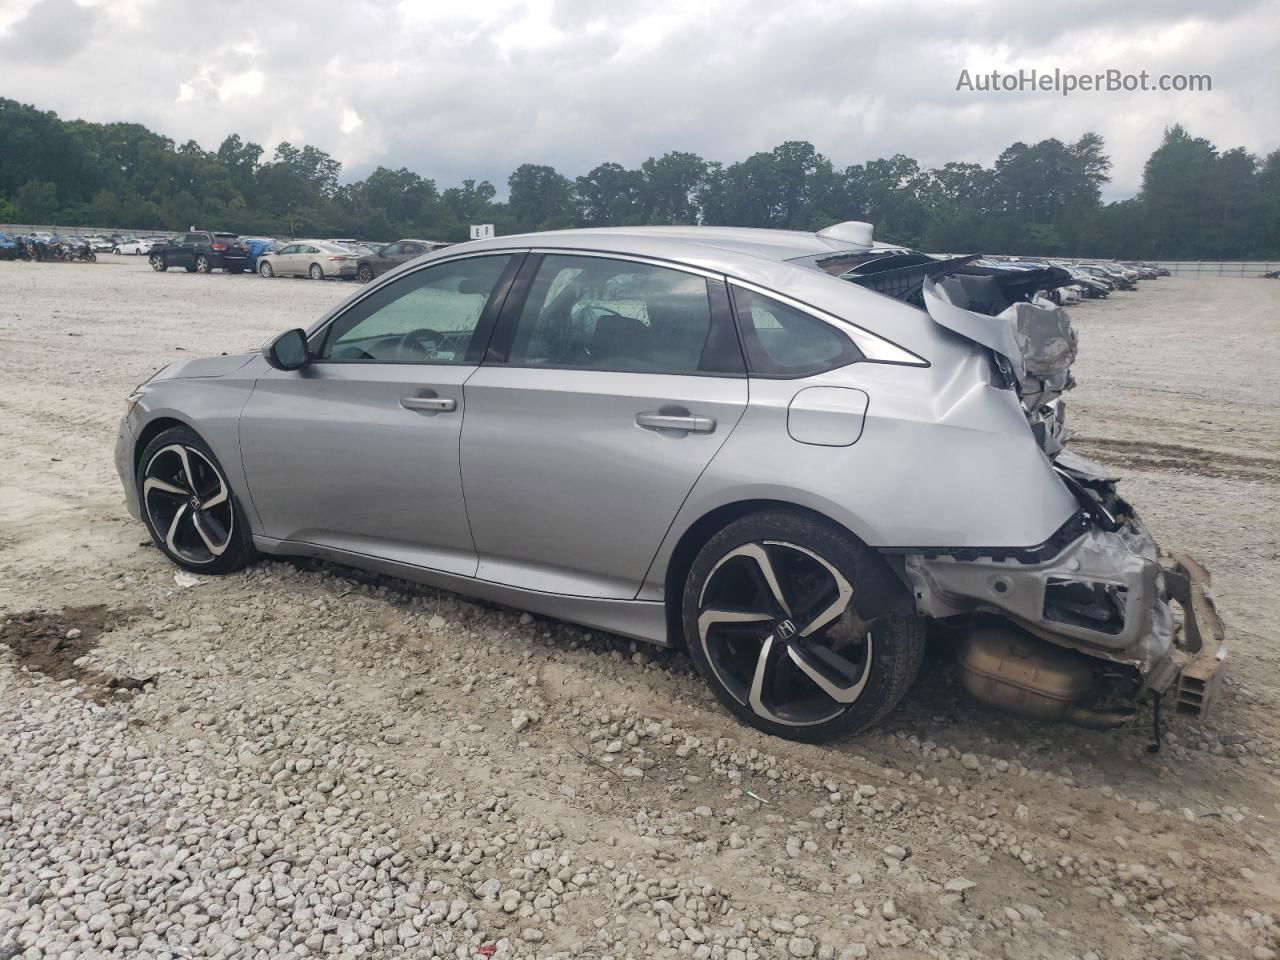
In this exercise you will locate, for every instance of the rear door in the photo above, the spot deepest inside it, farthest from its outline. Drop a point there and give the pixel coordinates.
(608, 387)
(358, 451)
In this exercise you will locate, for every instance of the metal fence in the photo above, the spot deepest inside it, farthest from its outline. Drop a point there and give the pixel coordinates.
(1218, 268)
(69, 231)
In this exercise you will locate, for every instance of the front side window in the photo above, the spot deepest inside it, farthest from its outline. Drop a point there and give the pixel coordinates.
(390, 250)
(291, 248)
(782, 341)
(413, 249)
(429, 316)
(601, 314)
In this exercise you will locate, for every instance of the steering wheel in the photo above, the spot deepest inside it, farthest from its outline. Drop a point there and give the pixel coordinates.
(423, 342)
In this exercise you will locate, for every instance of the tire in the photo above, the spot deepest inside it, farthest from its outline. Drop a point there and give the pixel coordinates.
(365, 273)
(316, 272)
(796, 659)
(203, 265)
(176, 471)
(264, 270)
(158, 264)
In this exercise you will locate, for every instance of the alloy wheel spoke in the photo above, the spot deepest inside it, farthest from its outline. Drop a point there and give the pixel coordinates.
(173, 529)
(156, 485)
(709, 618)
(844, 593)
(218, 498)
(812, 662)
(215, 537)
(758, 553)
(760, 679)
(186, 467)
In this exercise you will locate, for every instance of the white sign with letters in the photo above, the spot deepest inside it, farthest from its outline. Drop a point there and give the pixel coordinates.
(481, 231)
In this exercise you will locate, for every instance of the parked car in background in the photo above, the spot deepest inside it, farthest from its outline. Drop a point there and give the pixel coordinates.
(317, 259)
(391, 256)
(201, 251)
(99, 244)
(133, 247)
(256, 247)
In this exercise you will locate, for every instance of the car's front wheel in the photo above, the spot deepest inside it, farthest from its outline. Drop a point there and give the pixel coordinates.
(188, 505)
(773, 612)
(159, 265)
(266, 271)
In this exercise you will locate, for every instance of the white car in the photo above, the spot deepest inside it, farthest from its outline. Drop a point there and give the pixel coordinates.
(317, 259)
(135, 247)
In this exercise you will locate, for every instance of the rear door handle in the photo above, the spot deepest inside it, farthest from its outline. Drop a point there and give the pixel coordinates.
(433, 404)
(665, 421)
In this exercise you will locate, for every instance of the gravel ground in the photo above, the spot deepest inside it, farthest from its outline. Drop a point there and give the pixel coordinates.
(300, 761)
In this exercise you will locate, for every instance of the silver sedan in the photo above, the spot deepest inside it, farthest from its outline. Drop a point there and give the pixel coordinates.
(317, 259)
(784, 452)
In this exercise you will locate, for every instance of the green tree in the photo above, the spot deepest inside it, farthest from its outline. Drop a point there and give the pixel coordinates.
(540, 198)
(37, 201)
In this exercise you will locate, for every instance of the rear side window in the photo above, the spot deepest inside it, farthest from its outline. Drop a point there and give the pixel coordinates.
(782, 341)
(600, 314)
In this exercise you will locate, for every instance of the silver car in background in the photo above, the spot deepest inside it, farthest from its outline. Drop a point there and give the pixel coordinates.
(783, 451)
(317, 259)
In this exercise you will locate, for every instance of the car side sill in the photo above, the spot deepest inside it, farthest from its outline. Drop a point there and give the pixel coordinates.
(636, 619)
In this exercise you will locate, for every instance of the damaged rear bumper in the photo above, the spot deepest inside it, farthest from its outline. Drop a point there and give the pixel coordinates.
(1106, 593)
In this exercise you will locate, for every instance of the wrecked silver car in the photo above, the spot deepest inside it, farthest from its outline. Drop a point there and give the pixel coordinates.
(786, 452)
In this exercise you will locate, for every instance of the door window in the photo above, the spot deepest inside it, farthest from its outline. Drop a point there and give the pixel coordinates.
(390, 250)
(600, 314)
(412, 249)
(429, 316)
(285, 251)
(782, 341)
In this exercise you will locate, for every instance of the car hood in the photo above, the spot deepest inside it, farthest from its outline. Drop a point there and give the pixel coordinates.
(203, 367)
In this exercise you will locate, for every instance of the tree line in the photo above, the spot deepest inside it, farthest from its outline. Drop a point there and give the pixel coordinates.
(1196, 201)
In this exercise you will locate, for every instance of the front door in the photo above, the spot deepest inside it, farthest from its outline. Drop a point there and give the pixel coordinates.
(359, 449)
(609, 386)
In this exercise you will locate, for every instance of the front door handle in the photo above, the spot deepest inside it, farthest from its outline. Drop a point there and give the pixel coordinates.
(433, 404)
(666, 421)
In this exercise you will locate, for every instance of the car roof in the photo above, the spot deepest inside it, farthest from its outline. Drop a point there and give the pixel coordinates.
(722, 249)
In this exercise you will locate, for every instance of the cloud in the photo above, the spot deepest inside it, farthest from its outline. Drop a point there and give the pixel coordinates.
(49, 33)
(471, 90)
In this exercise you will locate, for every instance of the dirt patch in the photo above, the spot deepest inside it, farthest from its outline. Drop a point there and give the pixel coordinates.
(52, 643)
(1146, 455)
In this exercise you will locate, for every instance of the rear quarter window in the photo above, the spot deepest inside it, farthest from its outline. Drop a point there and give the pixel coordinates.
(783, 341)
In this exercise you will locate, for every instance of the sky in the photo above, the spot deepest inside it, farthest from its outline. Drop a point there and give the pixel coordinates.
(455, 90)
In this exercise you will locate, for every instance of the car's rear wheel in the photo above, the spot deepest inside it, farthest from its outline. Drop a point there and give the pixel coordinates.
(158, 264)
(188, 505)
(266, 271)
(365, 273)
(773, 616)
(203, 265)
(316, 272)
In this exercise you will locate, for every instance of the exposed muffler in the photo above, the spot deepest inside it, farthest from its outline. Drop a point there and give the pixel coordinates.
(1009, 668)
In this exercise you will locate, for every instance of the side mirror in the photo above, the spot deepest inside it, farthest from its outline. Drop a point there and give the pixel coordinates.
(288, 351)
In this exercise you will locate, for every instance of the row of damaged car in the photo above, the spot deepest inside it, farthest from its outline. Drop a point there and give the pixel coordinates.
(1090, 279)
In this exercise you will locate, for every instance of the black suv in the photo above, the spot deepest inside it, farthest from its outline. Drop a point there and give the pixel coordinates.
(201, 251)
